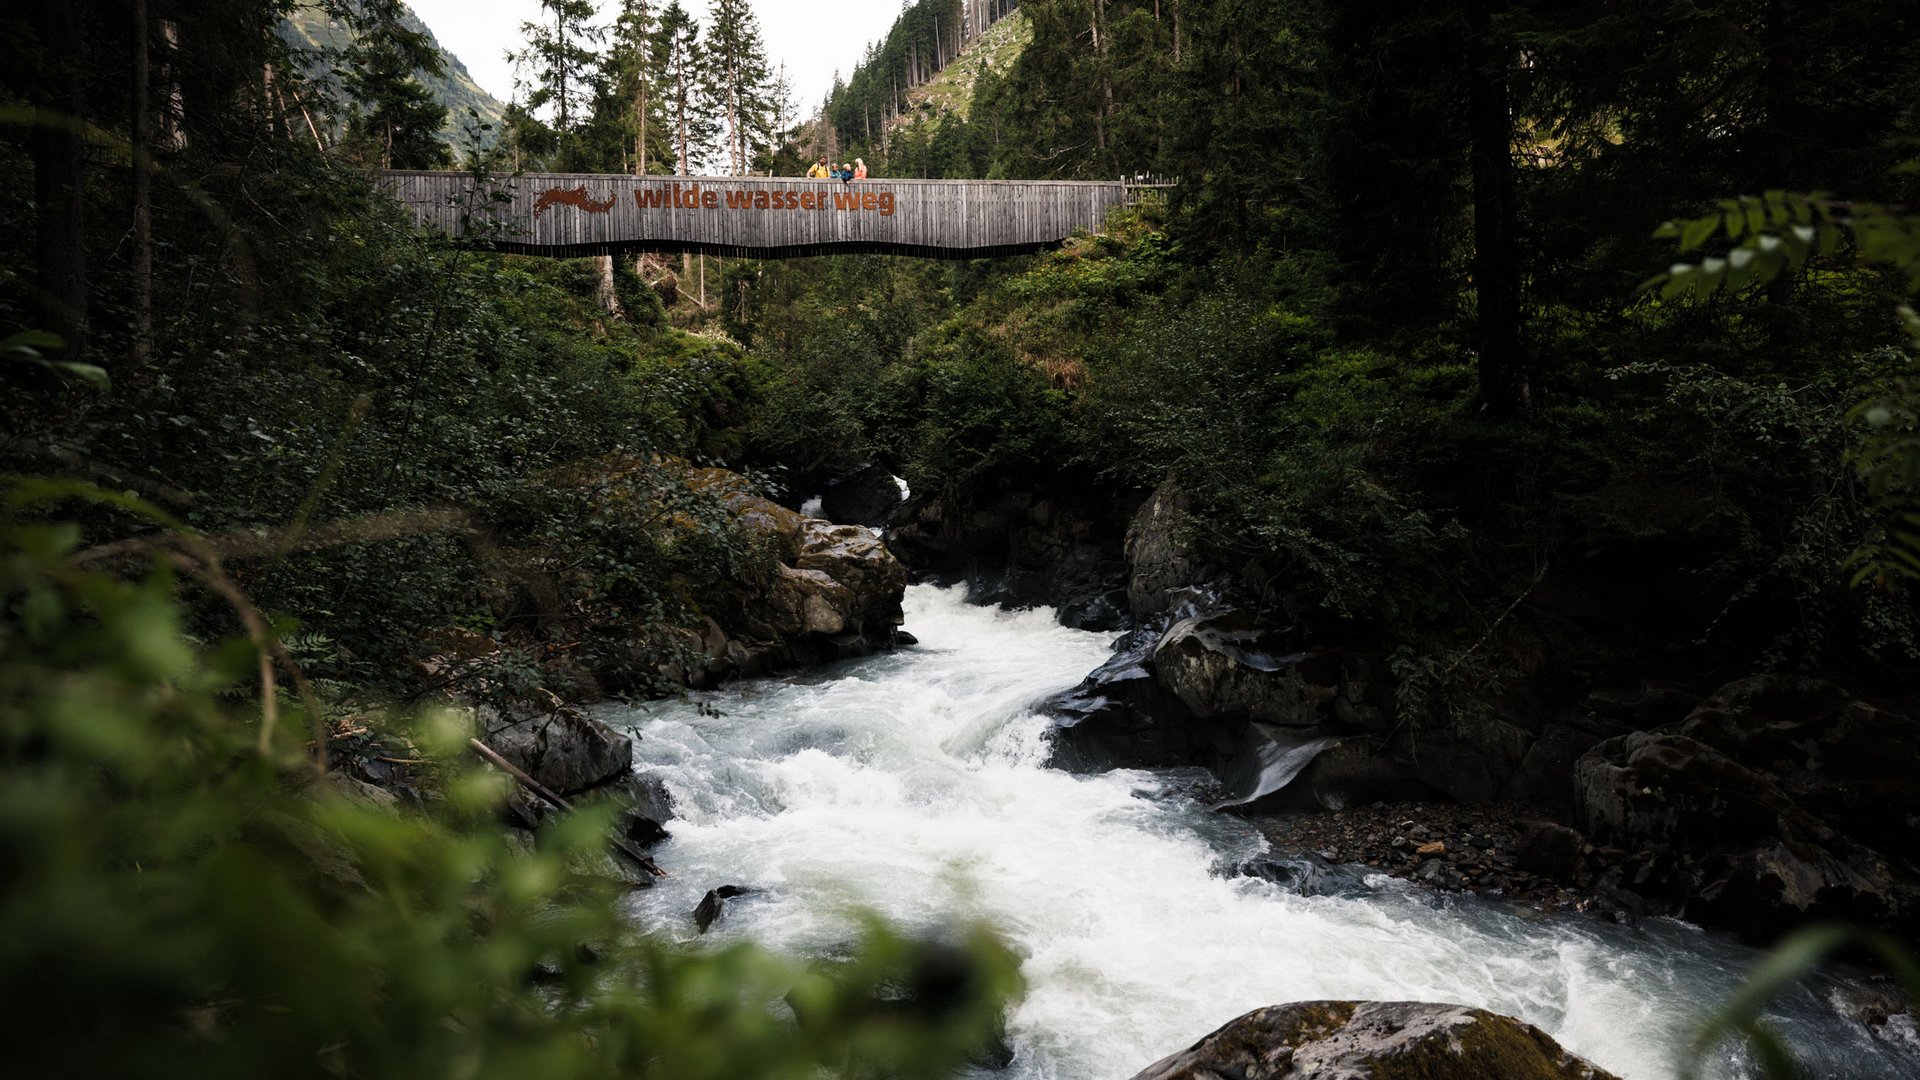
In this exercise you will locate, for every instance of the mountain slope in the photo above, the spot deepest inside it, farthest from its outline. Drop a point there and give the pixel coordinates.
(309, 29)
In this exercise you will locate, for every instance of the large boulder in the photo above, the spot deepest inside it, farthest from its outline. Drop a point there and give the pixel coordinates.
(564, 749)
(855, 558)
(1160, 553)
(1849, 763)
(1228, 663)
(1758, 811)
(1374, 1040)
(834, 592)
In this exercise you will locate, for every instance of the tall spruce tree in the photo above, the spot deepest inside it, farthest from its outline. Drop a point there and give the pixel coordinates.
(742, 82)
(563, 61)
(683, 77)
(393, 115)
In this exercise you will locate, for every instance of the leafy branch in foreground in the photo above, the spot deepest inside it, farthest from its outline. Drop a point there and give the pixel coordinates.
(1780, 233)
(1788, 963)
(187, 894)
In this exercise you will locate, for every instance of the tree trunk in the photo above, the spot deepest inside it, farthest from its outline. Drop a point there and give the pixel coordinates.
(59, 185)
(1504, 387)
(560, 64)
(605, 293)
(1106, 70)
(142, 147)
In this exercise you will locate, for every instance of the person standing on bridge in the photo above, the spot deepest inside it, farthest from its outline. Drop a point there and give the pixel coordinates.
(819, 170)
(859, 169)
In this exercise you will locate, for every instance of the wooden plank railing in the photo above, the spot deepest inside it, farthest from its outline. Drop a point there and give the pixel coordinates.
(572, 214)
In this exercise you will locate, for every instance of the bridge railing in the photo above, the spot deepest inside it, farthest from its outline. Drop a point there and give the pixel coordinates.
(762, 217)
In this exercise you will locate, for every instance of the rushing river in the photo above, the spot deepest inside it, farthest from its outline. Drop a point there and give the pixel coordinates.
(914, 784)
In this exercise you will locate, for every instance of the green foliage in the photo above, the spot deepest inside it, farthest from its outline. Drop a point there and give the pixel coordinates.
(182, 904)
(1789, 962)
(1779, 234)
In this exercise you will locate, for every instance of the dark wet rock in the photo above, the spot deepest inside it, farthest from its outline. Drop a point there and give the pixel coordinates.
(564, 749)
(1550, 849)
(1733, 843)
(1544, 772)
(1119, 716)
(1849, 763)
(1019, 548)
(1309, 874)
(1640, 707)
(867, 497)
(1099, 612)
(1229, 663)
(1374, 1040)
(713, 905)
(901, 637)
(1270, 759)
(644, 822)
(1160, 553)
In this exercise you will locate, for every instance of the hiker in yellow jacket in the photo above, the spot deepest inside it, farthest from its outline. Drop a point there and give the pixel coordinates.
(819, 170)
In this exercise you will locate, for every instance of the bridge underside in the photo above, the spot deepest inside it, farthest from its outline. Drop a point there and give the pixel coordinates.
(570, 215)
(738, 251)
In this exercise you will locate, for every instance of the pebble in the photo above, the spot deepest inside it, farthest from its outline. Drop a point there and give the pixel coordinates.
(1443, 846)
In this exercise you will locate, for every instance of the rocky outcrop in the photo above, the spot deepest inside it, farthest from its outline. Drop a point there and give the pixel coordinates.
(1374, 1040)
(1162, 559)
(1020, 548)
(834, 593)
(1778, 800)
(1222, 690)
(1229, 663)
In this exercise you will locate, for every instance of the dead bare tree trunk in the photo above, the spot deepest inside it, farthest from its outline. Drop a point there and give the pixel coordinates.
(605, 293)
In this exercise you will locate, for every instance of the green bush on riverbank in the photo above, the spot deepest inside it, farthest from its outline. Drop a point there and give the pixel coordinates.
(185, 895)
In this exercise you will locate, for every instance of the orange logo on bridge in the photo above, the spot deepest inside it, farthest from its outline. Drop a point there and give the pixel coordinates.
(575, 196)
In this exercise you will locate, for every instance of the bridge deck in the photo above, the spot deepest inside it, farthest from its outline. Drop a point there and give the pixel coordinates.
(570, 214)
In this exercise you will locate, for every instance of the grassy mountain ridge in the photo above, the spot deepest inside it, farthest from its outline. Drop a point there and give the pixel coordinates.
(951, 90)
(309, 28)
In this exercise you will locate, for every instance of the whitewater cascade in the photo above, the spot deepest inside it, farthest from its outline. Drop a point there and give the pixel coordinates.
(914, 784)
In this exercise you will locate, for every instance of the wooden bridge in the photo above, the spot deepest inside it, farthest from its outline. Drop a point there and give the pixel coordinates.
(572, 214)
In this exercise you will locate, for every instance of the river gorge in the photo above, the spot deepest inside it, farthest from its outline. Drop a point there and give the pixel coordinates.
(913, 784)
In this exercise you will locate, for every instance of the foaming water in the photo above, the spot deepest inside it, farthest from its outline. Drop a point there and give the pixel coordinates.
(913, 784)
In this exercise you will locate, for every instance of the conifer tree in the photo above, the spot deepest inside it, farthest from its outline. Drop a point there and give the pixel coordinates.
(741, 80)
(560, 51)
(394, 115)
(628, 131)
(682, 74)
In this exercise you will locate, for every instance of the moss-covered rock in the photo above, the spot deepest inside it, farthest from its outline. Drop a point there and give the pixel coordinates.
(1374, 1040)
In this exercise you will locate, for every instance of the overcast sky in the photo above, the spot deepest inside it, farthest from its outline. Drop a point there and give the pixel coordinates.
(813, 37)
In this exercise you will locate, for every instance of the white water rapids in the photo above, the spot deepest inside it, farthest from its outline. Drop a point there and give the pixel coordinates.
(913, 784)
